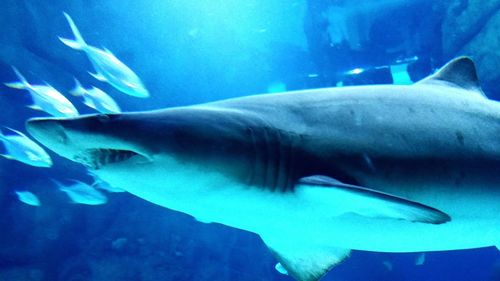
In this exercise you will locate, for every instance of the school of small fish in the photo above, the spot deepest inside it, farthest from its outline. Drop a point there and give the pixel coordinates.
(107, 68)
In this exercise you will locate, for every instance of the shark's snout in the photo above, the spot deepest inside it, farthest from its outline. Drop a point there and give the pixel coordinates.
(48, 131)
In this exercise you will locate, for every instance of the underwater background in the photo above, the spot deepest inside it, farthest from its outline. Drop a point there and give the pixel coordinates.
(195, 51)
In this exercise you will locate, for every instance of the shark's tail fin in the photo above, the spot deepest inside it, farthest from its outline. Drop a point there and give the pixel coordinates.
(78, 43)
(21, 84)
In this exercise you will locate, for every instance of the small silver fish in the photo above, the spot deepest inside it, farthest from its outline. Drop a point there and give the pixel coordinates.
(28, 198)
(107, 66)
(45, 97)
(95, 98)
(21, 148)
(82, 193)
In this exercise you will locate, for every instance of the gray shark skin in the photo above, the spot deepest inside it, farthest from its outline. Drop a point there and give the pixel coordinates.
(315, 173)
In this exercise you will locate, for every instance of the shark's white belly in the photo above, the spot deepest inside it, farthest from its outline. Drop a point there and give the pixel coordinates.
(307, 214)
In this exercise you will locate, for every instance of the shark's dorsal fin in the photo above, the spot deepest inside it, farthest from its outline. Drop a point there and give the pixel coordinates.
(305, 261)
(460, 72)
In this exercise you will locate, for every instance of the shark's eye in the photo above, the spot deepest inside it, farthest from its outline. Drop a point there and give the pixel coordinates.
(103, 118)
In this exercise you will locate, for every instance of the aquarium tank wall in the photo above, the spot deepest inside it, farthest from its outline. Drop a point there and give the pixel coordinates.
(278, 157)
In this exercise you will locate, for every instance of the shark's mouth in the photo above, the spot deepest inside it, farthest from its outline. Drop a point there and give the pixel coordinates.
(98, 157)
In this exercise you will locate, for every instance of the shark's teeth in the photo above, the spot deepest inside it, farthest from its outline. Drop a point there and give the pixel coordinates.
(96, 158)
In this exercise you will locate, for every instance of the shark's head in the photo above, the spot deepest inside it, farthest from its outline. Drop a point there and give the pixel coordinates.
(155, 150)
(94, 140)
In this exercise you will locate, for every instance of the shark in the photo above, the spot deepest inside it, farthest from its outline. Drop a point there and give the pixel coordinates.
(315, 173)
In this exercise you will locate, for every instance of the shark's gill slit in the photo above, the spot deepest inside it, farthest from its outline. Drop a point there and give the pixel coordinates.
(98, 157)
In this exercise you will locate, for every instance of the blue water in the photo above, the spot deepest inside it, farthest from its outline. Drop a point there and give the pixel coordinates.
(195, 51)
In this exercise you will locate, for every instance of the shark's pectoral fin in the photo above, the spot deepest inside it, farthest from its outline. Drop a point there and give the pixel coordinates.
(347, 198)
(304, 261)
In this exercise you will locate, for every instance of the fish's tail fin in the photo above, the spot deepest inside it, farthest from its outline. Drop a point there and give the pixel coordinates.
(13, 130)
(2, 139)
(21, 84)
(78, 90)
(78, 43)
(2, 136)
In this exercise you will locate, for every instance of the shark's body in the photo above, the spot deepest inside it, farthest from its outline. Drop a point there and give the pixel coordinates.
(314, 173)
